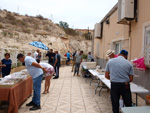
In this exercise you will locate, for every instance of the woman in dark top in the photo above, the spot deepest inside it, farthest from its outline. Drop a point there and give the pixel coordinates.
(6, 65)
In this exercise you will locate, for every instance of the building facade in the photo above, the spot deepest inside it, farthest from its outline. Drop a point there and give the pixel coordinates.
(133, 37)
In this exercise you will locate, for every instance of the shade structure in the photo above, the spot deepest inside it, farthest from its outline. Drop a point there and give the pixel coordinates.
(39, 45)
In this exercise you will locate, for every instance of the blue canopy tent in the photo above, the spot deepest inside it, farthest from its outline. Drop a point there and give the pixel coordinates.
(39, 45)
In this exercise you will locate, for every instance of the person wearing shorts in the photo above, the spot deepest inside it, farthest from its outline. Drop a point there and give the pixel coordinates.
(49, 73)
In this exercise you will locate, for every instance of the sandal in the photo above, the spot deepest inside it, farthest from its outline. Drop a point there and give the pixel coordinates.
(44, 92)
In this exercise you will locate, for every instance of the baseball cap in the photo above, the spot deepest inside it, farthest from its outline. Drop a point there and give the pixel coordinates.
(124, 52)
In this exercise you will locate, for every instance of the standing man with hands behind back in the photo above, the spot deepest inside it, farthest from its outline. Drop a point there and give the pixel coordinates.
(57, 64)
(120, 72)
(78, 61)
(36, 72)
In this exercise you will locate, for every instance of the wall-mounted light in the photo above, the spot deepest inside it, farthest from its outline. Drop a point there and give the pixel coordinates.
(107, 21)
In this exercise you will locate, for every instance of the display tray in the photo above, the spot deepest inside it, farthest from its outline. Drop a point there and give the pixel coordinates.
(101, 72)
(11, 82)
(10, 85)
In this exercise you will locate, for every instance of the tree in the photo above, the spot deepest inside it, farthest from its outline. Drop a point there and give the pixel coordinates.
(64, 25)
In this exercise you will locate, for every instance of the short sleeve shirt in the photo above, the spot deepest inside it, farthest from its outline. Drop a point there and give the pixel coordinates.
(50, 55)
(8, 65)
(78, 58)
(119, 69)
(68, 55)
(35, 55)
(58, 57)
(90, 57)
(32, 70)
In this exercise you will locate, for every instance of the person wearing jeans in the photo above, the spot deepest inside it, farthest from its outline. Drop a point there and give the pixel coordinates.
(37, 89)
(77, 67)
(36, 72)
(120, 72)
(73, 61)
(78, 61)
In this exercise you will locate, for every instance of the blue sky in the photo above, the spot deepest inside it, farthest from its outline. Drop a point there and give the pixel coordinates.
(77, 13)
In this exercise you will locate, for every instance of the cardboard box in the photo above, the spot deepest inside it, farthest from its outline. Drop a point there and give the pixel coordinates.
(91, 65)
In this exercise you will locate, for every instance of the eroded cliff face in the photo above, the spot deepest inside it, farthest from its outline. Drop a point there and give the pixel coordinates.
(17, 31)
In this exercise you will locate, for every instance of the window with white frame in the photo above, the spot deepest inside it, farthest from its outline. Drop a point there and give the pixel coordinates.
(147, 45)
(117, 47)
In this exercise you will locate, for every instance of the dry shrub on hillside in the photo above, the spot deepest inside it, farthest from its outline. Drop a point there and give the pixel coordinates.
(4, 33)
(22, 23)
(40, 17)
(35, 26)
(10, 17)
(26, 30)
(42, 33)
(1, 26)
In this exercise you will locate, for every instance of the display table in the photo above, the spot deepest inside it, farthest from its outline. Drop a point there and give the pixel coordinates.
(134, 87)
(16, 94)
(144, 109)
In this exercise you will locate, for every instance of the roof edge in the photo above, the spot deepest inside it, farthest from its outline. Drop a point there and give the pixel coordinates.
(110, 13)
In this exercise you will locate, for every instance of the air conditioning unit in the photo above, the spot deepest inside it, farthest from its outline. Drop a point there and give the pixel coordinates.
(126, 9)
(97, 30)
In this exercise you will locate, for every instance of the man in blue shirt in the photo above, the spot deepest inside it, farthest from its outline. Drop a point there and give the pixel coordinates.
(68, 57)
(120, 72)
(36, 72)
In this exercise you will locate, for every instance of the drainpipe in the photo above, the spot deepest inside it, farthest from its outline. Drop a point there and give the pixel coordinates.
(130, 41)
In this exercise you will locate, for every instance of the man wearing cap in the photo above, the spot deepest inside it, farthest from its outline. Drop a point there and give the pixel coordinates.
(120, 72)
(111, 54)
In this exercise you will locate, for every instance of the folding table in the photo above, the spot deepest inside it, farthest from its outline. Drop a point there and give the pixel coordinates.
(134, 87)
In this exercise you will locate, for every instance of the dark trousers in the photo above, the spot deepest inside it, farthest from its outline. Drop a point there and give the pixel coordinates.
(77, 67)
(51, 64)
(5, 73)
(57, 71)
(117, 90)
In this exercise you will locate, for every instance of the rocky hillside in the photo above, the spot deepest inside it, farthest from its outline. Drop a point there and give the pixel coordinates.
(16, 31)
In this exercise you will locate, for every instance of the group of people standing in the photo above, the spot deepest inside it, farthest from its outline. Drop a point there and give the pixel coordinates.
(36, 70)
(54, 59)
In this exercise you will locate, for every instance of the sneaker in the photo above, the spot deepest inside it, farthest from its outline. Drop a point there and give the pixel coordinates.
(78, 75)
(35, 107)
(30, 104)
(55, 78)
(74, 74)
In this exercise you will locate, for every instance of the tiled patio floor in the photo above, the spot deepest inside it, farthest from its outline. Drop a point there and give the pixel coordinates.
(70, 94)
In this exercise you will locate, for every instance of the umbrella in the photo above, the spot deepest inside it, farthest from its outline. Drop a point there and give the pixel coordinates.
(39, 45)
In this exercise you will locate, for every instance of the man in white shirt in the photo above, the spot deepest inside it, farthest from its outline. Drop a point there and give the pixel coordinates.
(36, 72)
(36, 54)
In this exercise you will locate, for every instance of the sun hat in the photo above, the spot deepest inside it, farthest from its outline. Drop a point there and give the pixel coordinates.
(109, 52)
